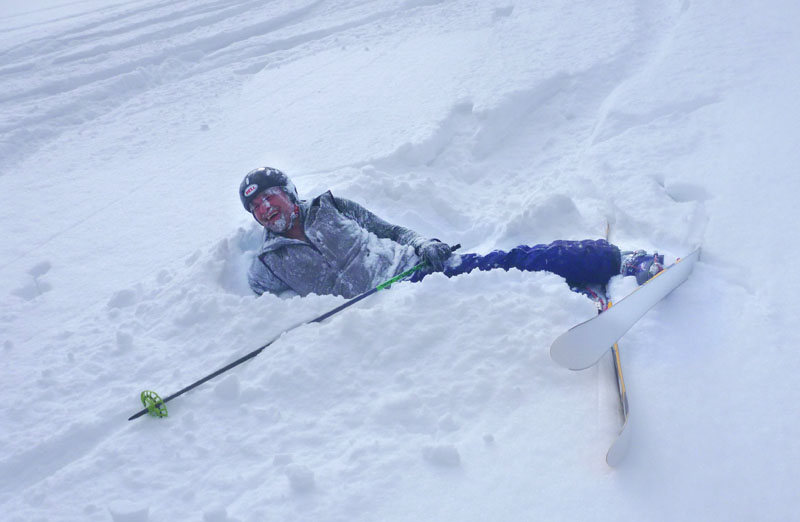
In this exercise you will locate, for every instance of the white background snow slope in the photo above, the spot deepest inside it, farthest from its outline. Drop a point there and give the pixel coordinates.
(125, 129)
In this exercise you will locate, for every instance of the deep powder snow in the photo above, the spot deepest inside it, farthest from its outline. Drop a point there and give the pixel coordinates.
(125, 130)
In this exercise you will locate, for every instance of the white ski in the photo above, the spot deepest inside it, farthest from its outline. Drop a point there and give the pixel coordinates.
(583, 345)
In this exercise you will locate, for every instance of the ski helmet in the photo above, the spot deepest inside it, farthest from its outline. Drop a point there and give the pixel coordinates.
(261, 179)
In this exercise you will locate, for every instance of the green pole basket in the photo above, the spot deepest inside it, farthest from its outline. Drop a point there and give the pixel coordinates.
(155, 406)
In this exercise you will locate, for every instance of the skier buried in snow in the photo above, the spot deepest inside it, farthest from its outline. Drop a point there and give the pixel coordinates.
(331, 245)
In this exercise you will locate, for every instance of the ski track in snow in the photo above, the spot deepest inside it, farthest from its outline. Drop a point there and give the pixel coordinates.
(385, 412)
(50, 78)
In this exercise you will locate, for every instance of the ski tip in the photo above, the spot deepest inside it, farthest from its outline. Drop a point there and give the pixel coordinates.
(619, 449)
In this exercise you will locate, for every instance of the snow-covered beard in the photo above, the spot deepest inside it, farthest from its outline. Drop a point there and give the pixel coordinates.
(282, 224)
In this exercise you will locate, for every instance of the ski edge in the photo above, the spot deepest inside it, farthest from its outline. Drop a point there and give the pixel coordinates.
(619, 448)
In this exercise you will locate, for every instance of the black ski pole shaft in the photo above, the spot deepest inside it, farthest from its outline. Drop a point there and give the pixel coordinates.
(319, 319)
(207, 378)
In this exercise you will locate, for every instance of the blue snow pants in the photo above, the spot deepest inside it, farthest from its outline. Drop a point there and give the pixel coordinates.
(579, 262)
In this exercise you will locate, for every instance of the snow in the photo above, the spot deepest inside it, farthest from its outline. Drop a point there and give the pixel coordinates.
(125, 130)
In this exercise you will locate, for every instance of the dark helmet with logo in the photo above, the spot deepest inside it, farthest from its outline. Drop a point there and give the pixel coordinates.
(261, 179)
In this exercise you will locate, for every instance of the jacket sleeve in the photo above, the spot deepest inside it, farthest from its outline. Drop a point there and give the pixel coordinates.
(378, 226)
(261, 279)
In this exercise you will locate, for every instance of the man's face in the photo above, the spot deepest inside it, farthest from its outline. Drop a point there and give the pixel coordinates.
(273, 209)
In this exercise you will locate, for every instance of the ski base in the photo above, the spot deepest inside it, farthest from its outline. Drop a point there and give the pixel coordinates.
(583, 345)
(618, 450)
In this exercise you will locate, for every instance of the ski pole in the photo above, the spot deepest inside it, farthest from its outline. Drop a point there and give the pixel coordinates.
(155, 405)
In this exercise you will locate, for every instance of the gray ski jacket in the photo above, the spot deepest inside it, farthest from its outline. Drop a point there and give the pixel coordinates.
(350, 250)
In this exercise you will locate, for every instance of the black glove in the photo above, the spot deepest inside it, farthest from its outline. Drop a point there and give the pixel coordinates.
(435, 253)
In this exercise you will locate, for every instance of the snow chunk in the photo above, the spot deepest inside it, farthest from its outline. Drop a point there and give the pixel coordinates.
(301, 478)
(163, 277)
(444, 455)
(554, 215)
(502, 12)
(124, 340)
(202, 310)
(217, 514)
(411, 4)
(122, 298)
(408, 411)
(125, 511)
(32, 289)
(683, 192)
(448, 424)
(40, 269)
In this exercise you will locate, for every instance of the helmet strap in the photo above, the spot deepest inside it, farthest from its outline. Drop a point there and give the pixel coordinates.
(294, 216)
